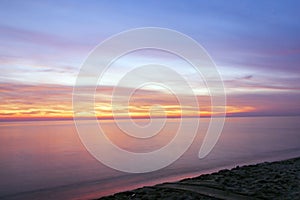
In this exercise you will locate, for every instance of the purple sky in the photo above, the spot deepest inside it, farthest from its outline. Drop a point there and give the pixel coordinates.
(255, 44)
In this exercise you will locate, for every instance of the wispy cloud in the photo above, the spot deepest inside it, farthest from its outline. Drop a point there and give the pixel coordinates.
(32, 101)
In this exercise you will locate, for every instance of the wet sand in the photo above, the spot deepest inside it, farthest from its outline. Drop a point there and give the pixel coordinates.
(275, 180)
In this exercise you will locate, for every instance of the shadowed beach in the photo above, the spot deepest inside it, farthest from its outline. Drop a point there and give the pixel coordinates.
(275, 180)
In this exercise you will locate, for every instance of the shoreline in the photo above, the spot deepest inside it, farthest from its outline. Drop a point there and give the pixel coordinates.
(267, 180)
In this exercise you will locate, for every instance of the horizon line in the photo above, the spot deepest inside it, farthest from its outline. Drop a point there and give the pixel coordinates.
(19, 119)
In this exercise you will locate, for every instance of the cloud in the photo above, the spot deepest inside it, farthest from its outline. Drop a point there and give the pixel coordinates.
(34, 101)
(247, 77)
(267, 104)
(262, 83)
(24, 47)
(33, 38)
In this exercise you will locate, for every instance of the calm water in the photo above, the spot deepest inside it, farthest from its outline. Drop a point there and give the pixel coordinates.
(47, 160)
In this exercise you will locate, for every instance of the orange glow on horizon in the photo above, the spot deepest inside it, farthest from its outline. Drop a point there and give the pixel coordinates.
(67, 113)
(55, 102)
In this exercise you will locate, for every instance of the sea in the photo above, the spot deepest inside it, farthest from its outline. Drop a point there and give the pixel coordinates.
(47, 159)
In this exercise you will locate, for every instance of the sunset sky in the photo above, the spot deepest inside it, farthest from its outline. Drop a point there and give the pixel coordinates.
(255, 45)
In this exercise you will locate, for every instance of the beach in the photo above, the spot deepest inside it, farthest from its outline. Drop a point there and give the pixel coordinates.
(268, 180)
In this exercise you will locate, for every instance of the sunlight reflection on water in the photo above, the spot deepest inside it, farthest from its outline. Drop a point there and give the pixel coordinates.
(48, 155)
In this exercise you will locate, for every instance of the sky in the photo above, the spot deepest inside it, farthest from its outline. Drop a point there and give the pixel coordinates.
(254, 44)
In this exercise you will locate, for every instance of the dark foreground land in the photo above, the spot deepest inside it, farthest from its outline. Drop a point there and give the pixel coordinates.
(276, 180)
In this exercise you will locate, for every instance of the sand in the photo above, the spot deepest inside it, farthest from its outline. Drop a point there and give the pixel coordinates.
(276, 180)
